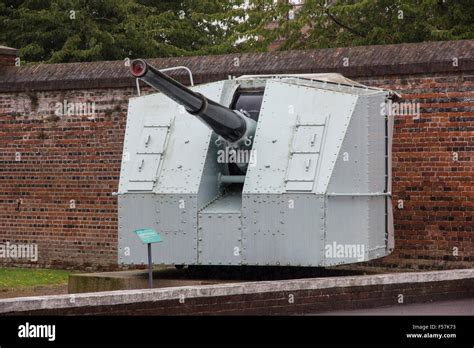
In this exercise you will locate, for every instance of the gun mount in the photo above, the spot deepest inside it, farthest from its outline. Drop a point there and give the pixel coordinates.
(317, 194)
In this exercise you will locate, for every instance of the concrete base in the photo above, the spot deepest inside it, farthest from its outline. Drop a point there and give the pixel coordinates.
(129, 280)
(294, 296)
(165, 277)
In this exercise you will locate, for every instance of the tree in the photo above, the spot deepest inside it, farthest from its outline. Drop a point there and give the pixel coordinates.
(86, 30)
(325, 23)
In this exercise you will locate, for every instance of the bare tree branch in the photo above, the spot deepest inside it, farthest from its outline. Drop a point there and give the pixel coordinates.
(335, 20)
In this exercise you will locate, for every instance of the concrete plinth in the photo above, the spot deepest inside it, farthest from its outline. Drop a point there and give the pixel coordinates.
(293, 296)
(129, 280)
(165, 277)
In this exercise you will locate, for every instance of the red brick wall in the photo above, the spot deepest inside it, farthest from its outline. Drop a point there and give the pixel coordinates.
(62, 159)
(437, 191)
(76, 158)
(7, 60)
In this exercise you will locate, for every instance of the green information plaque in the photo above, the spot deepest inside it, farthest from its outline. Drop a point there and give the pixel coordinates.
(148, 236)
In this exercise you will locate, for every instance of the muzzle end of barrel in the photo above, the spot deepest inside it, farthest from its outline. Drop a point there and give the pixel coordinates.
(138, 67)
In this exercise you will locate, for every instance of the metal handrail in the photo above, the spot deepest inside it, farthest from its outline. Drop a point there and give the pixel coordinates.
(180, 67)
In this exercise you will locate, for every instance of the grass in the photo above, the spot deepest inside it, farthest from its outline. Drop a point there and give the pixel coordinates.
(20, 278)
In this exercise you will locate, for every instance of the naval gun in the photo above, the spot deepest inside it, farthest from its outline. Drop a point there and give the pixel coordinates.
(315, 190)
(233, 126)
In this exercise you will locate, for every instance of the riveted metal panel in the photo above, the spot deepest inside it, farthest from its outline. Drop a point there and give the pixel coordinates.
(376, 142)
(390, 227)
(134, 186)
(230, 203)
(145, 111)
(308, 138)
(177, 222)
(338, 108)
(153, 140)
(220, 238)
(381, 238)
(209, 188)
(378, 163)
(302, 167)
(173, 216)
(347, 230)
(220, 231)
(304, 156)
(135, 211)
(297, 186)
(187, 148)
(164, 120)
(285, 108)
(359, 174)
(312, 113)
(360, 166)
(173, 209)
(273, 138)
(145, 167)
(283, 229)
(377, 238)
(350, 173)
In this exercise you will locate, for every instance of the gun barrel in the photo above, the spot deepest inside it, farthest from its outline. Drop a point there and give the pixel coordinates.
(222, 120)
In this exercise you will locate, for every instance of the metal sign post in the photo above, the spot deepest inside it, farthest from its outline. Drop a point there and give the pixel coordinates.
(149, 236)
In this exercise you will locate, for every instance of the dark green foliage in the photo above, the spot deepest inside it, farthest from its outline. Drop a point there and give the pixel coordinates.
(88, 30)
(337, 23)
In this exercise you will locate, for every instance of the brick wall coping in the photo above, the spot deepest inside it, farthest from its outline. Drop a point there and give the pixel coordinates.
(8, 51)
(399, 59)
(110, 298)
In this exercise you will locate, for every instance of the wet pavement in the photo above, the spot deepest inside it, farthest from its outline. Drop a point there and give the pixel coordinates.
(456, 307)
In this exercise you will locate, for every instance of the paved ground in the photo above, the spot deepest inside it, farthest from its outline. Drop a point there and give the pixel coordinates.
(459, 307)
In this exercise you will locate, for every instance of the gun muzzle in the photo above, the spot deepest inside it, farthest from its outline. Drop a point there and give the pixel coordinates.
(225, 122)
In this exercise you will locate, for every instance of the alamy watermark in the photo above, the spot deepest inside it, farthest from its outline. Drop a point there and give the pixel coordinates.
(28, 330)
(345, 251)
(67, 108)
(391, 108)
(19, 251)
(232, 155)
